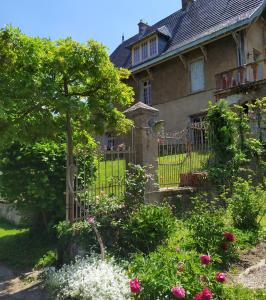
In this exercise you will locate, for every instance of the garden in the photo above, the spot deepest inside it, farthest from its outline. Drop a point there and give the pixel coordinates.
(124, 248)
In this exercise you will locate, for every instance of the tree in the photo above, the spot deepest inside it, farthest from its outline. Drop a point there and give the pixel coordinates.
(49, 89)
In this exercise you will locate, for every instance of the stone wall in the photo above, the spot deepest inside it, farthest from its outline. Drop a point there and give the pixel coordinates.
(9, 213)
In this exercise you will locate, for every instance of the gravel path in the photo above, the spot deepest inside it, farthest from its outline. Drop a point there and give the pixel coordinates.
(252, 268)
(25, 287)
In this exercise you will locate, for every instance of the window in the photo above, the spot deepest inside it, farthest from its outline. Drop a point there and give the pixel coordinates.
(145, 50)
(136, 55)
(146, 92)
(153, 46)
(197, 75)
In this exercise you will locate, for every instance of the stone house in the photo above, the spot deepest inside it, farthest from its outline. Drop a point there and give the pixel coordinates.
(206, 51)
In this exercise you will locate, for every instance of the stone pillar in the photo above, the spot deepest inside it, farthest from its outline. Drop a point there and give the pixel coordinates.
(145, 139)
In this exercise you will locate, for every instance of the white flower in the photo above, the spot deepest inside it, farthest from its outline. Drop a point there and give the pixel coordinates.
(90, 279)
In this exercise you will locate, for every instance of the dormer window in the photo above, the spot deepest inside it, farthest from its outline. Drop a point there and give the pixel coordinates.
(145, 50)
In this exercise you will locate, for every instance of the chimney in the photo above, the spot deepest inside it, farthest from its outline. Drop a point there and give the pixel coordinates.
(186, 4)
(142, 26)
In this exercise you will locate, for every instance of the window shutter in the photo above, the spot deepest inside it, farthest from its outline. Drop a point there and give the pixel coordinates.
(197, 75)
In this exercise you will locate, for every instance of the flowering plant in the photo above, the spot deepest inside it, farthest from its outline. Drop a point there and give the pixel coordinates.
(179, 292)
(89, 278)
(135, 286)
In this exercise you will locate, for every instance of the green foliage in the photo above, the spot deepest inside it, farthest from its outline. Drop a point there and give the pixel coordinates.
(166, 268)
(42, 81)
(207, 228)
(136, 181)
(47, 260)
(246, 204)
(241, 293)
(33, 179)
(80, 233)
(149, 226)
(233, 148)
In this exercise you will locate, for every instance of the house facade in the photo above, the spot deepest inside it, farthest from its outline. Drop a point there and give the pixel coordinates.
(208, 50)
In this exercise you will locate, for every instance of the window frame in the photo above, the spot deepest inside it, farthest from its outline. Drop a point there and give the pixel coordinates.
(140, 47)
(191, 91)
(142, 91)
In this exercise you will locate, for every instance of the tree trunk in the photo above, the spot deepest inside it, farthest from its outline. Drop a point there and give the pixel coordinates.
(70, 171)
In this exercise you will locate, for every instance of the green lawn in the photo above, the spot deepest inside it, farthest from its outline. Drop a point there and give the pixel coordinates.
(171, 166)
(19, 248)
(110, 175)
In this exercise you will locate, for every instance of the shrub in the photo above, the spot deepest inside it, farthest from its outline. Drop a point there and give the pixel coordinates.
(47, 260)
(166, 268)
(136, 180)
(149, 226)
(33, 179)
(89, 278)
(207, 230)
(246, 203)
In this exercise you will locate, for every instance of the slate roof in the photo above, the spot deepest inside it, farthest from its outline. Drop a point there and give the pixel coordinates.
(203, 20)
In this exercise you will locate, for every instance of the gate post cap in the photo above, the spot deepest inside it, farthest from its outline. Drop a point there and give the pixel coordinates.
(141, 108)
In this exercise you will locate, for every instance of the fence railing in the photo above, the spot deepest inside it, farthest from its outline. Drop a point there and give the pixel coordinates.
(105, 176)
(180, 153)
(249, 73)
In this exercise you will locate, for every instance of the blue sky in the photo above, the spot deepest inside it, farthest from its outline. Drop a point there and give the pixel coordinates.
(102, 20)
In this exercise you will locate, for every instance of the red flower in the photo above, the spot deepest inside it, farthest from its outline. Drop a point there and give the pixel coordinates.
(135, 286)
(198, 296)
(229, 236)
(205, 259)
(220, 277)
(206, 294)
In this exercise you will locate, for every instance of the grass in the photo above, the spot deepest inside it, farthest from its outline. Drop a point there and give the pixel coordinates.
(110, 174)
(19, 248)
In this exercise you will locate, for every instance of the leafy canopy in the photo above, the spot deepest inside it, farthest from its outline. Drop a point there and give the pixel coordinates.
(41, 81)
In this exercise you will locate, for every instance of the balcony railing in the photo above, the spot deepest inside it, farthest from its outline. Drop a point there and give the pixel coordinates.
(237, 77)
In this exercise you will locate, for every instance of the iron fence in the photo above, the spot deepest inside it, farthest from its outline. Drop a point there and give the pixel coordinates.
(104, 176)
(182, 152)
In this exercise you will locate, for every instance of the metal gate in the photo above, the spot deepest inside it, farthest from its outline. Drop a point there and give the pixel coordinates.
(182, 152)
(104, 176)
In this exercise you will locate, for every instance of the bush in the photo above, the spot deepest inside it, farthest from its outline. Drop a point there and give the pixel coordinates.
(246, 203)
(33, 179)
(136, 180)
(207, 228)
(165, 268)
(149, 226)
(89, 278)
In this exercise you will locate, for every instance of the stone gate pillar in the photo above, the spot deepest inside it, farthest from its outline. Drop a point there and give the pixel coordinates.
(145, 138)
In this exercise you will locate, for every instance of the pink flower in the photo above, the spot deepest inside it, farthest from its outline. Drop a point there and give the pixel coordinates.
(135, 286)
(205, 259)
(220, 277)
(91, 220)
(229, 236)
(198, 296)
(178, 292)
(206, 294)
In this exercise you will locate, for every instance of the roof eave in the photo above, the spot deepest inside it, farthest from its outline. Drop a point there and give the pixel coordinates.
(199, 41)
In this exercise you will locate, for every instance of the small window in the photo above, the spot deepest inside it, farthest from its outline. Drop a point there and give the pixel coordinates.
(136, 55)
(197, 75)
(144, 50)
(146, 92)
(153, 47)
